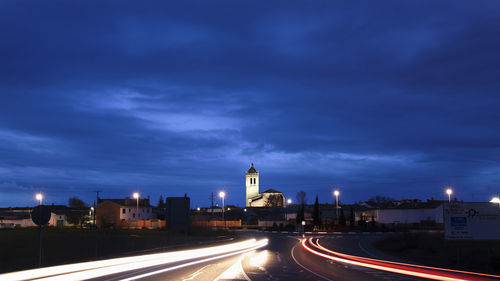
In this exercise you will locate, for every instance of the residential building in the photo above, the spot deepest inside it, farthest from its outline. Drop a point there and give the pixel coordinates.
(115, 212)
(430, 212)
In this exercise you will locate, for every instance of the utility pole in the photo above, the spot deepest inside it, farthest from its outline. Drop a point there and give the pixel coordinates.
(212, 205)
(212, 200)
(95, 204)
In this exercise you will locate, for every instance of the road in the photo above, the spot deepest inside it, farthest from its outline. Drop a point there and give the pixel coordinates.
(282, 259)
(269, 257)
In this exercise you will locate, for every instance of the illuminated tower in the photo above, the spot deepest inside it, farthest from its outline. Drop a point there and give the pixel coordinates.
(252, 183)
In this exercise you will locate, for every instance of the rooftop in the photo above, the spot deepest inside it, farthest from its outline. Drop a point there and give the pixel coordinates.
(252, 170)
(271, 191)
(128, 202)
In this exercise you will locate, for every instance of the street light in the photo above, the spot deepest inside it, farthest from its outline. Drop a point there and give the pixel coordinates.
(39, 197)
(289, 201)
(337, 193)
(222, 194)
(136, 196)
(449, 191)
(496, 200)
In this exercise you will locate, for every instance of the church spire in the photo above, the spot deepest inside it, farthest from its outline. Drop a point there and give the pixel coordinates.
(251, 170)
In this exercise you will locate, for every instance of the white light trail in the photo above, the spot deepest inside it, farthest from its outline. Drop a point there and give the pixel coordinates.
(88, 270)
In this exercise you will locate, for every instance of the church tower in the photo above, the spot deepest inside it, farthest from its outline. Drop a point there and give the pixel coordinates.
(252, 184)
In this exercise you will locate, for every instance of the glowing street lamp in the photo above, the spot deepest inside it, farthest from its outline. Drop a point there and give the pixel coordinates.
(289, 201)
(39, 197)
(136, 196)
(337, 193)
(496, 200)
(222, 195)
(449, 191)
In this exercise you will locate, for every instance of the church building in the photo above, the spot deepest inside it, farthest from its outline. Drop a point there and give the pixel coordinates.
(268, 198)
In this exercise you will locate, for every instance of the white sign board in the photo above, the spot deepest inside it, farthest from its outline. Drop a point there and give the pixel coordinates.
(471, 221)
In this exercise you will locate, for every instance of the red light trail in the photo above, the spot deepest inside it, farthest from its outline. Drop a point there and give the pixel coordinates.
(427, 272)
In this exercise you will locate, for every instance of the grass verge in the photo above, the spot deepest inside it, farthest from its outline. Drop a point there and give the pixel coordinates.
(433, 250)
(19, 247)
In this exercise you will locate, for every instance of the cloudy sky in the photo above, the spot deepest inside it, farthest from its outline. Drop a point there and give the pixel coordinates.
(375, 98)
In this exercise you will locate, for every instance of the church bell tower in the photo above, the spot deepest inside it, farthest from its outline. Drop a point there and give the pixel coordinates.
(252, 184)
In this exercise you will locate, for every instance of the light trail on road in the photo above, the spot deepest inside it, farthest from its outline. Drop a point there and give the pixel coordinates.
(400, 268)
(89, 270)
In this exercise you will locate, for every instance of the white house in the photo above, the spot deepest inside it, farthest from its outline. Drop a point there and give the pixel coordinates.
(426, 213)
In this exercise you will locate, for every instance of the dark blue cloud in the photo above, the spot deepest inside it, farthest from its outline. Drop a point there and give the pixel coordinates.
(388, 99)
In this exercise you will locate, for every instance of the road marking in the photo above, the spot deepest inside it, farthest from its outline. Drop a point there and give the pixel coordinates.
(235, 272)
(191, 263)
(366, 251)
(297, 262)
(196, 273)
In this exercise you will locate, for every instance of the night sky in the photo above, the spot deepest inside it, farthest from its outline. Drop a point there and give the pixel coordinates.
(392, 98)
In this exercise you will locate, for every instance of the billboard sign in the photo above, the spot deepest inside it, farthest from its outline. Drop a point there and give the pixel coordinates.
(471, 221)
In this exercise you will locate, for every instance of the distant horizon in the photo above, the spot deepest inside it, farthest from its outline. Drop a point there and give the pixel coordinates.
(310, 200)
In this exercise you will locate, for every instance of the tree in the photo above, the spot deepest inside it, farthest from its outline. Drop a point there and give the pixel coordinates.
(316, 214)
(301, 201)
(380, 201)
(274, 200)
(300, 214)
(76, 203)
(161, 203)
(342, 217)
(301, 197)
(78, 211)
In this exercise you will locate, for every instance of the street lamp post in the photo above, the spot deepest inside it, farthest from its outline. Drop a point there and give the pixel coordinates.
(222, 194)
(337, 193)
(449, 191)
(136, 196)
(39, 197)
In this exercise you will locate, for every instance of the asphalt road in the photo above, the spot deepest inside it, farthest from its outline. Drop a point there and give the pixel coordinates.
(282, 259)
